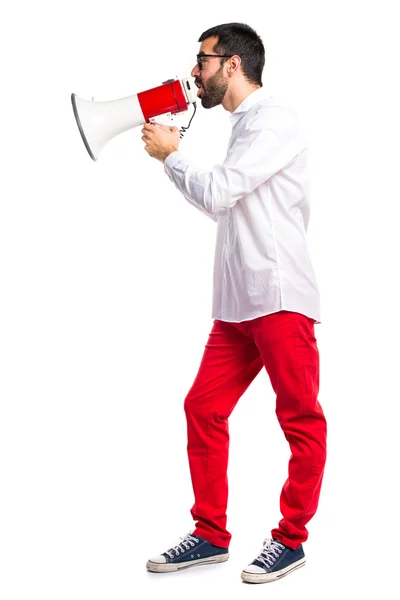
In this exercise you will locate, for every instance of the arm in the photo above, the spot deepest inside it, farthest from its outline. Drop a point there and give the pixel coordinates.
(161, 142)
(267, 145)
(212, 216)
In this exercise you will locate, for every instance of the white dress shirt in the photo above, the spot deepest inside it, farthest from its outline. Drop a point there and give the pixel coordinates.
(259, 197)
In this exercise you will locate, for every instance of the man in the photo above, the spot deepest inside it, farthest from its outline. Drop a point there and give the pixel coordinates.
(265, 302)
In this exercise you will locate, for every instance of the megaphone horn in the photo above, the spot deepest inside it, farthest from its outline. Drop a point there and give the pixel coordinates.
(99, 122)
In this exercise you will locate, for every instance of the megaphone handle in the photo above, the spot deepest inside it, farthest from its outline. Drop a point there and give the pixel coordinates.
(165, 119)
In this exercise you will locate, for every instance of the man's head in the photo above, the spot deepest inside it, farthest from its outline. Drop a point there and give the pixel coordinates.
(237, 62)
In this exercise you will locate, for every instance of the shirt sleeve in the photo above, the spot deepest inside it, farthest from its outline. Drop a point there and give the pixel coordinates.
(267, 144)
(172, 162)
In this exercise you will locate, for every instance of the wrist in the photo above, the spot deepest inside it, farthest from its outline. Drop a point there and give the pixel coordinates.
(169, 151)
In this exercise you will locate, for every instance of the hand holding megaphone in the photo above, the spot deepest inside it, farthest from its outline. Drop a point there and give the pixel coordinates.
(160, 140)
(99, 122)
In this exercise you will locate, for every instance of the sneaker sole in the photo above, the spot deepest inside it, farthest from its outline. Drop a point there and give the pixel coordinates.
(168, 567)
(266, 577)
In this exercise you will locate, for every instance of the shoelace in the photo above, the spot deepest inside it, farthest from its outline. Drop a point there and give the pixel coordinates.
(270, 552)
(187, 542)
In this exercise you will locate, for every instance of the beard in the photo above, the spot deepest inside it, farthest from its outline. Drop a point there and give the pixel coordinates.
(214, 90)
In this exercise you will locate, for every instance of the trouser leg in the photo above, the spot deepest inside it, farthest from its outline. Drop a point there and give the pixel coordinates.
(290, 354)
(230, 362)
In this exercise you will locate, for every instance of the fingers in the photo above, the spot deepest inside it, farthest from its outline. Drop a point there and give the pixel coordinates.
(148, 127)
(155, 140)
(146, 137)
(147, 131)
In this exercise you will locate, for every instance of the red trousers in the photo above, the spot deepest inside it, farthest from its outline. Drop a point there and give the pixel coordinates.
(285, 345)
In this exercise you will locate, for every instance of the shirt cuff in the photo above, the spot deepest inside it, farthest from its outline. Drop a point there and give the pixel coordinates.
(172, 159)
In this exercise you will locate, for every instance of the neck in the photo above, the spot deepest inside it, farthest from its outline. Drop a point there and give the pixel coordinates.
(233, 98)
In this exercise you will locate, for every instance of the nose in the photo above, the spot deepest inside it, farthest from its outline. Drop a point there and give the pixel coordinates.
(195, 71)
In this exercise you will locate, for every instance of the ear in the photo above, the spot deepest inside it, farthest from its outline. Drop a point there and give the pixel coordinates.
(234, 64)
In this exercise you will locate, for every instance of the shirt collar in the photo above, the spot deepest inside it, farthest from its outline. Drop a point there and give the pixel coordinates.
(252, 99)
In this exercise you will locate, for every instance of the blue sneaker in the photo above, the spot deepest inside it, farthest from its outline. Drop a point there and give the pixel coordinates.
(274, 562)
(191, 551)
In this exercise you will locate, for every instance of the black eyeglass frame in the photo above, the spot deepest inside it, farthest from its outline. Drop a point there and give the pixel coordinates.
(201, 55)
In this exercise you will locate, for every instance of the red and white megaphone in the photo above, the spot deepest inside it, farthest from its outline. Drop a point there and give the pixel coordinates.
(99, 122)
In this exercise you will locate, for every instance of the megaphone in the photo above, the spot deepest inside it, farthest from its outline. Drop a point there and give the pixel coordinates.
(99, 122)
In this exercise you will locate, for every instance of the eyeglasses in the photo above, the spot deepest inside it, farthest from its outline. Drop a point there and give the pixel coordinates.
(201, 56)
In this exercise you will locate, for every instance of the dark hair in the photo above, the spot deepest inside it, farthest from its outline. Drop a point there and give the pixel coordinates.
(240, 39)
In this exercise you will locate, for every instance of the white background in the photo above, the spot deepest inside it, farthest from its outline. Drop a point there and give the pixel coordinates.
(105, 304)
